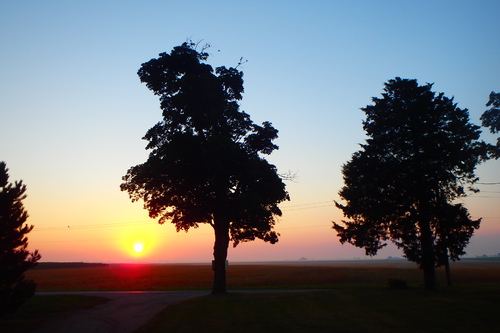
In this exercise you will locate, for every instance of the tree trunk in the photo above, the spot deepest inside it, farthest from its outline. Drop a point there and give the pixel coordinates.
(428, 260)
(221, 228)
(447, 268)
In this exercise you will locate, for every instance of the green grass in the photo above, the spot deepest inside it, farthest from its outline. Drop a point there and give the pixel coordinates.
(41, 308)
(350, 309)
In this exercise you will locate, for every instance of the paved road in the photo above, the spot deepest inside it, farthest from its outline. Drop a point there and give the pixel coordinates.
(124, 313)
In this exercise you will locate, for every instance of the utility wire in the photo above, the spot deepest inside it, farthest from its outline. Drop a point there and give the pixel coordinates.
(91, 226)
(121, 224)
(308, 204)
(312, 205)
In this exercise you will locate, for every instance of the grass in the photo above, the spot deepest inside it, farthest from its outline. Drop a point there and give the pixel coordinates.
(41, 308)
(349, 309)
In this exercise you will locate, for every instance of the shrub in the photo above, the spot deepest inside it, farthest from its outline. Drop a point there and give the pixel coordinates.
(396, 283)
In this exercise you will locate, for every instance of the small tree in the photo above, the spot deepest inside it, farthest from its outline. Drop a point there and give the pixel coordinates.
(454, 229)
(491, 118)
(420, 155)
(205, 164)
(15, 259)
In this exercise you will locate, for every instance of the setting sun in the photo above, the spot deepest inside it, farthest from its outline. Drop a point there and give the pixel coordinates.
(138, 247)
(138, 242)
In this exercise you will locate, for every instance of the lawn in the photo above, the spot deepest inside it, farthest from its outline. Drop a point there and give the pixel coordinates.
(41, 308)
(349, 309)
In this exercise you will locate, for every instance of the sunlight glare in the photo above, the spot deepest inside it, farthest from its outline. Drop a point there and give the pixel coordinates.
(138, 247)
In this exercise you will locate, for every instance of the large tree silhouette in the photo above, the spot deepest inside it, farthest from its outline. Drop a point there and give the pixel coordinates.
(205, 164)
(15, 259)
(420, 155)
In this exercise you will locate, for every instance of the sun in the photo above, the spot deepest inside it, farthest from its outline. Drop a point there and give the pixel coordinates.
(138, 247)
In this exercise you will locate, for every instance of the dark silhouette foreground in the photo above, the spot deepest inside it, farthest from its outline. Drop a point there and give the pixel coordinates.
(420, 156)
(491, 119)
(15, 259)
(125, 312)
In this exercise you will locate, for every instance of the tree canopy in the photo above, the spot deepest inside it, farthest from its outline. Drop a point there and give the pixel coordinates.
(420, 155)
(491, 118)
(205, 163)
(15, 258)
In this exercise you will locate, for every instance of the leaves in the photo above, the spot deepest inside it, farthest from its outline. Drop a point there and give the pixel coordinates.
(420, 155)
(15, 259)
(491, 118)
(204, 157)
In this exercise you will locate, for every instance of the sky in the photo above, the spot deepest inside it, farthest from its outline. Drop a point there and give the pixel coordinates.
(73, 111)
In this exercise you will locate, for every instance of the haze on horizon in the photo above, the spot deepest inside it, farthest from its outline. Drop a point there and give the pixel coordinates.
(74, 111)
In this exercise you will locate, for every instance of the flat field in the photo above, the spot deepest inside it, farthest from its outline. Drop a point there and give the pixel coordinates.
(343, 296)
(284, 275)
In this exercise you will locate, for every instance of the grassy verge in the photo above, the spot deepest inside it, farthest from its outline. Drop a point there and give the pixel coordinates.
(41, 308)
(350, 309)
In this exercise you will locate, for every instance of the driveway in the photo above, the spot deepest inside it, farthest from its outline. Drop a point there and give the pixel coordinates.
(124, 313)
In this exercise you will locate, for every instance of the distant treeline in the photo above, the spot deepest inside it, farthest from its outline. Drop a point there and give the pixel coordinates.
(56, 265)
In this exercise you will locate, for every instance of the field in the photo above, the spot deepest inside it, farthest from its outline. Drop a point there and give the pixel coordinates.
(287, 275)
(344, 296)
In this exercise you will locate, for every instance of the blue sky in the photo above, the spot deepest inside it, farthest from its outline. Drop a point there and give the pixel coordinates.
(73, 110)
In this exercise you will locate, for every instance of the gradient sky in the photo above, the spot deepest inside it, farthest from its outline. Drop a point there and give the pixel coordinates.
(73, 110)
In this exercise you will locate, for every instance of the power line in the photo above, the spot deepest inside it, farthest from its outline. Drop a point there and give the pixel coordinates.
(308, 204)
(309, 207)
(312, 205)
(91, 226)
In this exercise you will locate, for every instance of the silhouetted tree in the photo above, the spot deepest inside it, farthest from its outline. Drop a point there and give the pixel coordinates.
(491, 118)
(205, 164)
(454, 228)
(15, 259)
(420, 155)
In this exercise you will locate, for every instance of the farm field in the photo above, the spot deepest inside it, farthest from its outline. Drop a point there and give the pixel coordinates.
(285, 275)
(340, 296)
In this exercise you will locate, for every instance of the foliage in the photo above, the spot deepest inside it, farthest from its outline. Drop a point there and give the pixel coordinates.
(420, 155)
(454, 230)
(491, 118)
(15, 259)
(205, 164)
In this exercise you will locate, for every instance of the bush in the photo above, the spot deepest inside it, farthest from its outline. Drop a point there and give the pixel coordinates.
(396, 283)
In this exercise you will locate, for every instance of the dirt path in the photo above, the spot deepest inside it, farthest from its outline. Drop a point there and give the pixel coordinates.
(124, 313)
